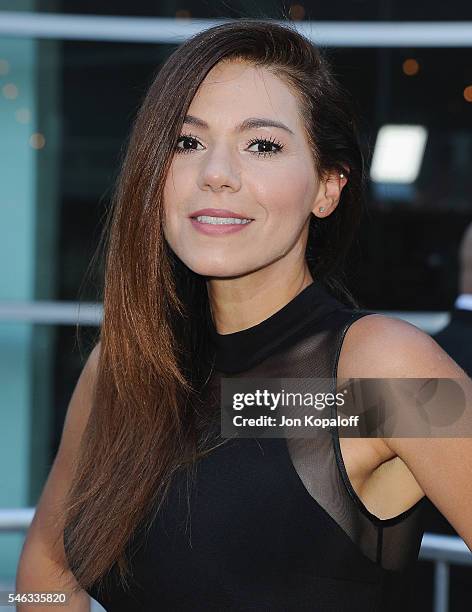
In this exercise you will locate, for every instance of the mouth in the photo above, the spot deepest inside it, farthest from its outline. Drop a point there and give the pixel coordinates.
(208, 219)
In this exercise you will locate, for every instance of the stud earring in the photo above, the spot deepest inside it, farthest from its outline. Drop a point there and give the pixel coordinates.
(321, 208)
(341, 175)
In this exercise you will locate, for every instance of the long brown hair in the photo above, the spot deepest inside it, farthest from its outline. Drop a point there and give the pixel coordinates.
(154, 355)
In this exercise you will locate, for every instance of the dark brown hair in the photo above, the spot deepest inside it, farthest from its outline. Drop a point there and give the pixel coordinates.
(153, 351)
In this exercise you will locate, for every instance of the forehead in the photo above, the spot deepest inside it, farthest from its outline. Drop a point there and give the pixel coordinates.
(235, 89)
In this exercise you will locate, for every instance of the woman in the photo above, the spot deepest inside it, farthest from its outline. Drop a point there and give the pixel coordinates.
(237, 202)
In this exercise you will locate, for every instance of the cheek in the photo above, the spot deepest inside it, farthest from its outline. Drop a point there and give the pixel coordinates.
(287, 198)
(175, 192)
(172, 188)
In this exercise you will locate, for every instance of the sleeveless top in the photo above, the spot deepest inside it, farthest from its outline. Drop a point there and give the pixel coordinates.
(273, 524)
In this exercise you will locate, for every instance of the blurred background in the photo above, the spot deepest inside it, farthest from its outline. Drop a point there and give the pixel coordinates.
(72, 76)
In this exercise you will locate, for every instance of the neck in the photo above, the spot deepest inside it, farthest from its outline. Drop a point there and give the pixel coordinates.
(239, 303)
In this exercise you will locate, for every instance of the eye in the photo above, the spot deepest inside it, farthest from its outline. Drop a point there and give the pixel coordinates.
(266, 143)
(191, 141)
(188, 139)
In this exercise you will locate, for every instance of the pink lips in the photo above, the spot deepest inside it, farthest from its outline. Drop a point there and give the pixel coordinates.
(212, 230)
(218, 212)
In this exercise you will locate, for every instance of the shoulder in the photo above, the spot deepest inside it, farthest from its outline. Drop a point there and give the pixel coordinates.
(380, 346)
(94, 358)
(80, 404)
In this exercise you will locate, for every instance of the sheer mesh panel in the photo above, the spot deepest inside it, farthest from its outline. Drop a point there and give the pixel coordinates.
(392, 543)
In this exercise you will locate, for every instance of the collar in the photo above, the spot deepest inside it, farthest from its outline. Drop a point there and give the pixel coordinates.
(241, 350)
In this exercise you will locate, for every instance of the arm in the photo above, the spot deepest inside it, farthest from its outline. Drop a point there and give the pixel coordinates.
(377, 346)
(39, 562)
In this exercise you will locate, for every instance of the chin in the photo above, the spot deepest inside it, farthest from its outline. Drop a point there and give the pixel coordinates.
(216, 269)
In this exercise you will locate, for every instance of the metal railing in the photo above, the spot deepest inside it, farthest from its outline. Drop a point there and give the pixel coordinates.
(90, 313)
(46, 312)
(13, 520)
(442, 550)
(169, 30)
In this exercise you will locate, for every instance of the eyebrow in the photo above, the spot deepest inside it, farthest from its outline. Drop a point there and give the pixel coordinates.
(248, 124)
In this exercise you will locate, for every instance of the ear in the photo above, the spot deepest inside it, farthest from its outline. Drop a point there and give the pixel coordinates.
(329, 192)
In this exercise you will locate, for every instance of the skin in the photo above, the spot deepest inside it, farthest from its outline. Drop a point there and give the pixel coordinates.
(465, 259)
(253, 273)
(246, 283)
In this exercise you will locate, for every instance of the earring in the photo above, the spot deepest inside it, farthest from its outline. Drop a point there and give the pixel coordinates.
(321, 208)
(341, 175)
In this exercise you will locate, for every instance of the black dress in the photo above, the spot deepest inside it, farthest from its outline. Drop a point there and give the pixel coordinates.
(273, 524)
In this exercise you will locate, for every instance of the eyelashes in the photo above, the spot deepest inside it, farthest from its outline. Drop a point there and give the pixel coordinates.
(264, 141)
(272, 142)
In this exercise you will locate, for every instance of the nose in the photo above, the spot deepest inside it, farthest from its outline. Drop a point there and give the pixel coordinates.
(220, 170)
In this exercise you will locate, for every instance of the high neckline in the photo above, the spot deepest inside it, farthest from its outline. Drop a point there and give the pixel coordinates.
(240, 350)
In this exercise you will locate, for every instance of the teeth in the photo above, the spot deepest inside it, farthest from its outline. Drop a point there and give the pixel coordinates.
(222, 220)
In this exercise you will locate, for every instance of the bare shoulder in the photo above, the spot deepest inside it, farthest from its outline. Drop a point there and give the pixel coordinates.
(91, 365)
(80, 404)
(380, 346)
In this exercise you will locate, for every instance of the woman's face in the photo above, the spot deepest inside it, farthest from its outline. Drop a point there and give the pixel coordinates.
(264, 173)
